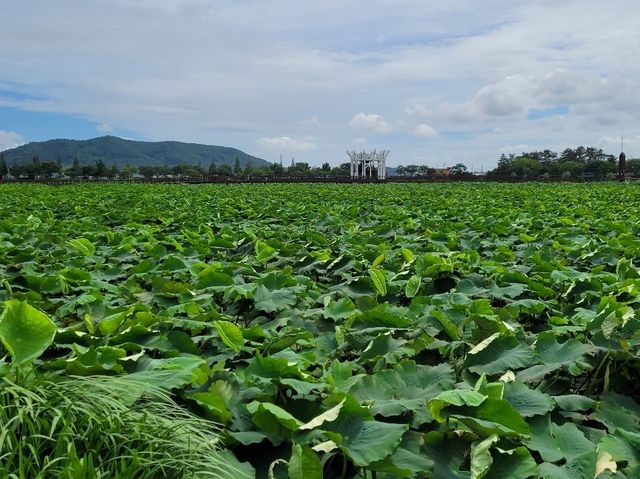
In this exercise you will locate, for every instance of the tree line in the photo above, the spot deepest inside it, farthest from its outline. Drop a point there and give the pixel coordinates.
(37, 169)
(570, 163)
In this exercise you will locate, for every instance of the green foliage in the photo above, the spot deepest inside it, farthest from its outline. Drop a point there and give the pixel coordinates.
(441, 331)
(570, 163)
(99, 427)
(25, 331)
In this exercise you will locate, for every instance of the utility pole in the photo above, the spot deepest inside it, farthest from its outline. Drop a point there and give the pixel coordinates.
(622, 161)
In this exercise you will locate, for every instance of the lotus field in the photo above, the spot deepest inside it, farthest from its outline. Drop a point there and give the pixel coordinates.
(307, 331)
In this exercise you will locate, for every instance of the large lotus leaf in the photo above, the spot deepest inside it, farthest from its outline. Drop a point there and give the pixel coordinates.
(580, 467)
(262, 409)
(216, 400)
(407, 460)
(382, 316)
(481, 459)
(493, 416)
(365, 442)
(273, 368)
(304, 463)
(406, 388)
(528, 402)
(25, 331)
(216, 280)
(513, 290)
(271, 301)
(552, 352)
(515, 464)
(555, 443)
(623, 446)
(617, 411)
(171, 373)
(94, 360)
(501, 355)
(340, 309)
(385, 346)
(454, 397)
(574, 402)
(448, 452)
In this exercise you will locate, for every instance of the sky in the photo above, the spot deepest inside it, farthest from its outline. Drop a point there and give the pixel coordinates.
(436, 83)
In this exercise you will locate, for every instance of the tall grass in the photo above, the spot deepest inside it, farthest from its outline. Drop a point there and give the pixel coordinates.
(104, 427)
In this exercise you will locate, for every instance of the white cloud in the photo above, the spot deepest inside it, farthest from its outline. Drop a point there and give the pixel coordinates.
(516, 149)
(416, 109)
(424, 131)
(612, 143)
(286, 143)
(310, 122)
(361, 140)
(370, 122)
(10, 139)
(104, 128)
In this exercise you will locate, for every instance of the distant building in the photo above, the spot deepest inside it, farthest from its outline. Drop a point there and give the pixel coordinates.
(368, 164)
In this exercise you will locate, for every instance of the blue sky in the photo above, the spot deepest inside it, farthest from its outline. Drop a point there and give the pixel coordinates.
(434, 82)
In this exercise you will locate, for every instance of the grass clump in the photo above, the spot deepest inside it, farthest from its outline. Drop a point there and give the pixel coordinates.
(105, 427)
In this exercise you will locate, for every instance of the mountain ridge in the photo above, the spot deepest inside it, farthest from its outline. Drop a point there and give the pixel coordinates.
(112, 149)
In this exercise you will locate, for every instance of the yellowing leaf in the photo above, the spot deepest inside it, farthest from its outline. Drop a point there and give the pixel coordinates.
(378, 260)
(230, 334)
(377, 276)
(327, 416)
(605, 463)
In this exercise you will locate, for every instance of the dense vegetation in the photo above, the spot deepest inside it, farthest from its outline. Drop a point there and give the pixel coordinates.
(407, 330)
(570, 163)
(112, 150)
(576, 162)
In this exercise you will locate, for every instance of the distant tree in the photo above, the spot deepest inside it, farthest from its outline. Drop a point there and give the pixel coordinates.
(212, 169)
(247, 169)
(276, 169)
(114, 171)
(49, 169)
(163, 170)
(326, 167)
(299, 169)
(74, 171)
(189, 170)
(423, 170)
(400, 170)
(101, 169)
(148, 171)
(4, 169)
(88, 171)
(237, 170)
(128, 171)
(458, 169)
(36, 167)
(224, 170)
(411, 170)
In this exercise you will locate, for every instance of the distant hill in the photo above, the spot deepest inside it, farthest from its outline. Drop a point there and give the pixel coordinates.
(111, 149)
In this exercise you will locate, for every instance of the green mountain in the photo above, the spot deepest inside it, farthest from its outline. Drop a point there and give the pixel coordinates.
(111, 149)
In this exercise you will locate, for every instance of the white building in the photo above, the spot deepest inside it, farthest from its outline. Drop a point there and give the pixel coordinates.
(368, 164)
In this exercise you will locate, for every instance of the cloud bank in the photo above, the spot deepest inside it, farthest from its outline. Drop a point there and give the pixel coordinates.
(261, 74)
